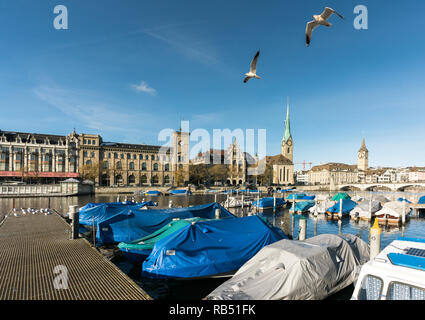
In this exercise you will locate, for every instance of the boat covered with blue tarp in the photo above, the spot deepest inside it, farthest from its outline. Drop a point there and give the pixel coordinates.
(95, 204)
(140, 249)
(403, 199)
(347, 206)
(180, 192)
(102, 211)
(302, 206)
(134, 224)
(268, 203)
(312, 197)
(210, 248)
(153, 193)
(421, 200)
(296, 196)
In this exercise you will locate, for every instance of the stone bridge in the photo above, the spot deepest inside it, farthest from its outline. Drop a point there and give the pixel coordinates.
(387, 186)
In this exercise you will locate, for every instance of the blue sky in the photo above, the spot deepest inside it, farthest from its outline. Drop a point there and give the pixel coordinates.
(127, 69)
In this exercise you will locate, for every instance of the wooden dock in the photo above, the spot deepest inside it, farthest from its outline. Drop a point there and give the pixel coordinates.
(39, 261)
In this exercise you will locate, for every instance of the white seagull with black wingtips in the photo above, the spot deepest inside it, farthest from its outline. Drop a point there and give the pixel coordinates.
(319, 20)
(253, 69)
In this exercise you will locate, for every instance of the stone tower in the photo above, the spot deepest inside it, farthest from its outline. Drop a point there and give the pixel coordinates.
(363, 157)
(180, 156)
(287, 142)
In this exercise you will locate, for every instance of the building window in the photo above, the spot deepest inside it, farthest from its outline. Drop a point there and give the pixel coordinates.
(109, 155)
(152, 157)
(88, 162)
(92, 154)
(143, 179)
(166, 179)
(128, 156)
(94, 142)
(167, 167)
(144, 166)
(89, 141)
(85, 141)
(155, 166)
(105, 165)
(118, 165)
(131, 179)
(115, 155)
(85, 153)
(134, 157)
(140, 156)
(146, 157)
(131, 166)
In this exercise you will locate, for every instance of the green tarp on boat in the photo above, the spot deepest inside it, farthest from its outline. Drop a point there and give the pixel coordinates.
(139, 249)
(341, 195)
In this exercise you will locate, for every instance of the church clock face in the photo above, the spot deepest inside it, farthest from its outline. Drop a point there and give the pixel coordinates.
(289, 143)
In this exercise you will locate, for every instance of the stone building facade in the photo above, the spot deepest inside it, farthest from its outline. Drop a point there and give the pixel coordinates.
(38, 156)
(56, 157)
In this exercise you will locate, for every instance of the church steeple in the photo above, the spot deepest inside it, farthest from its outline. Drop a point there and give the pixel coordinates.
(287, 133)
(287, 141)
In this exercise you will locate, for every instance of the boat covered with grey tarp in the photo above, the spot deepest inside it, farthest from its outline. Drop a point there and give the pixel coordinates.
(363, 208)
(297, 270)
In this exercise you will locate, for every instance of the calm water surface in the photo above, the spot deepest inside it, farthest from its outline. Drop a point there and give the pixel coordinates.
(197, 289)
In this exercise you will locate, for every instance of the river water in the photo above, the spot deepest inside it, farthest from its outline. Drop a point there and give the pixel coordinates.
(197, 289)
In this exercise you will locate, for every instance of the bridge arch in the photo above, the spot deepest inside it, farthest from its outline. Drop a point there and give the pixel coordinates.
(382, 187)
(349, 188)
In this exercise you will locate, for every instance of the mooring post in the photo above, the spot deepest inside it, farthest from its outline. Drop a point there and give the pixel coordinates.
(340, 208)
(303, 228)
(118, 198)
(258, 204)
(217, 213)
(315, 225)
(403, 215)
(228, 201)
(74, 216)
(215, 197)
(375, 240)
(242, 203)
(370, 208)
(293, 205)
(94, 234)
(274, 204)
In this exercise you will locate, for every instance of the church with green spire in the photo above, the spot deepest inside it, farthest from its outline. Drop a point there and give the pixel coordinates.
(287, 141)
(282, 164)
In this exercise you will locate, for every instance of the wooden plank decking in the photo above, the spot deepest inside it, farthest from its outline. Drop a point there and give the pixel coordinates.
(32, 246)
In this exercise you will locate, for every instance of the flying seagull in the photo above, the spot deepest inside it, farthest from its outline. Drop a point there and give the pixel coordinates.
(253, 69)
(319, 20)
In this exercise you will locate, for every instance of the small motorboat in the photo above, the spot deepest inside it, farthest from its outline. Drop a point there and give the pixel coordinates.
(396, 273)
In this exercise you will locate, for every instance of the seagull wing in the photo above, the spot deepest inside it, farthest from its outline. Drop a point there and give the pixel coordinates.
(246, 79)
(253, 68)
(328, 12)
(308, 30)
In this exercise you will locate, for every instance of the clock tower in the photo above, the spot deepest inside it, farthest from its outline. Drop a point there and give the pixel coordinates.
(363, 157)
(287, 141)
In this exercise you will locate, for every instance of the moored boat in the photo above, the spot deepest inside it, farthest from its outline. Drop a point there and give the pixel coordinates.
(297, 270)
(209, 248)
(396, 273)
(302, 206)
(138, 250)
(392, 212)
(342, 207)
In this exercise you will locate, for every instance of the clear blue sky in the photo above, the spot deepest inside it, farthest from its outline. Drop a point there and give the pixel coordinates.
(191, 56)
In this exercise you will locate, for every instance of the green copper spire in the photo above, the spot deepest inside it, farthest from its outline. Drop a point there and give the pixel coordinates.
(287, 133)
